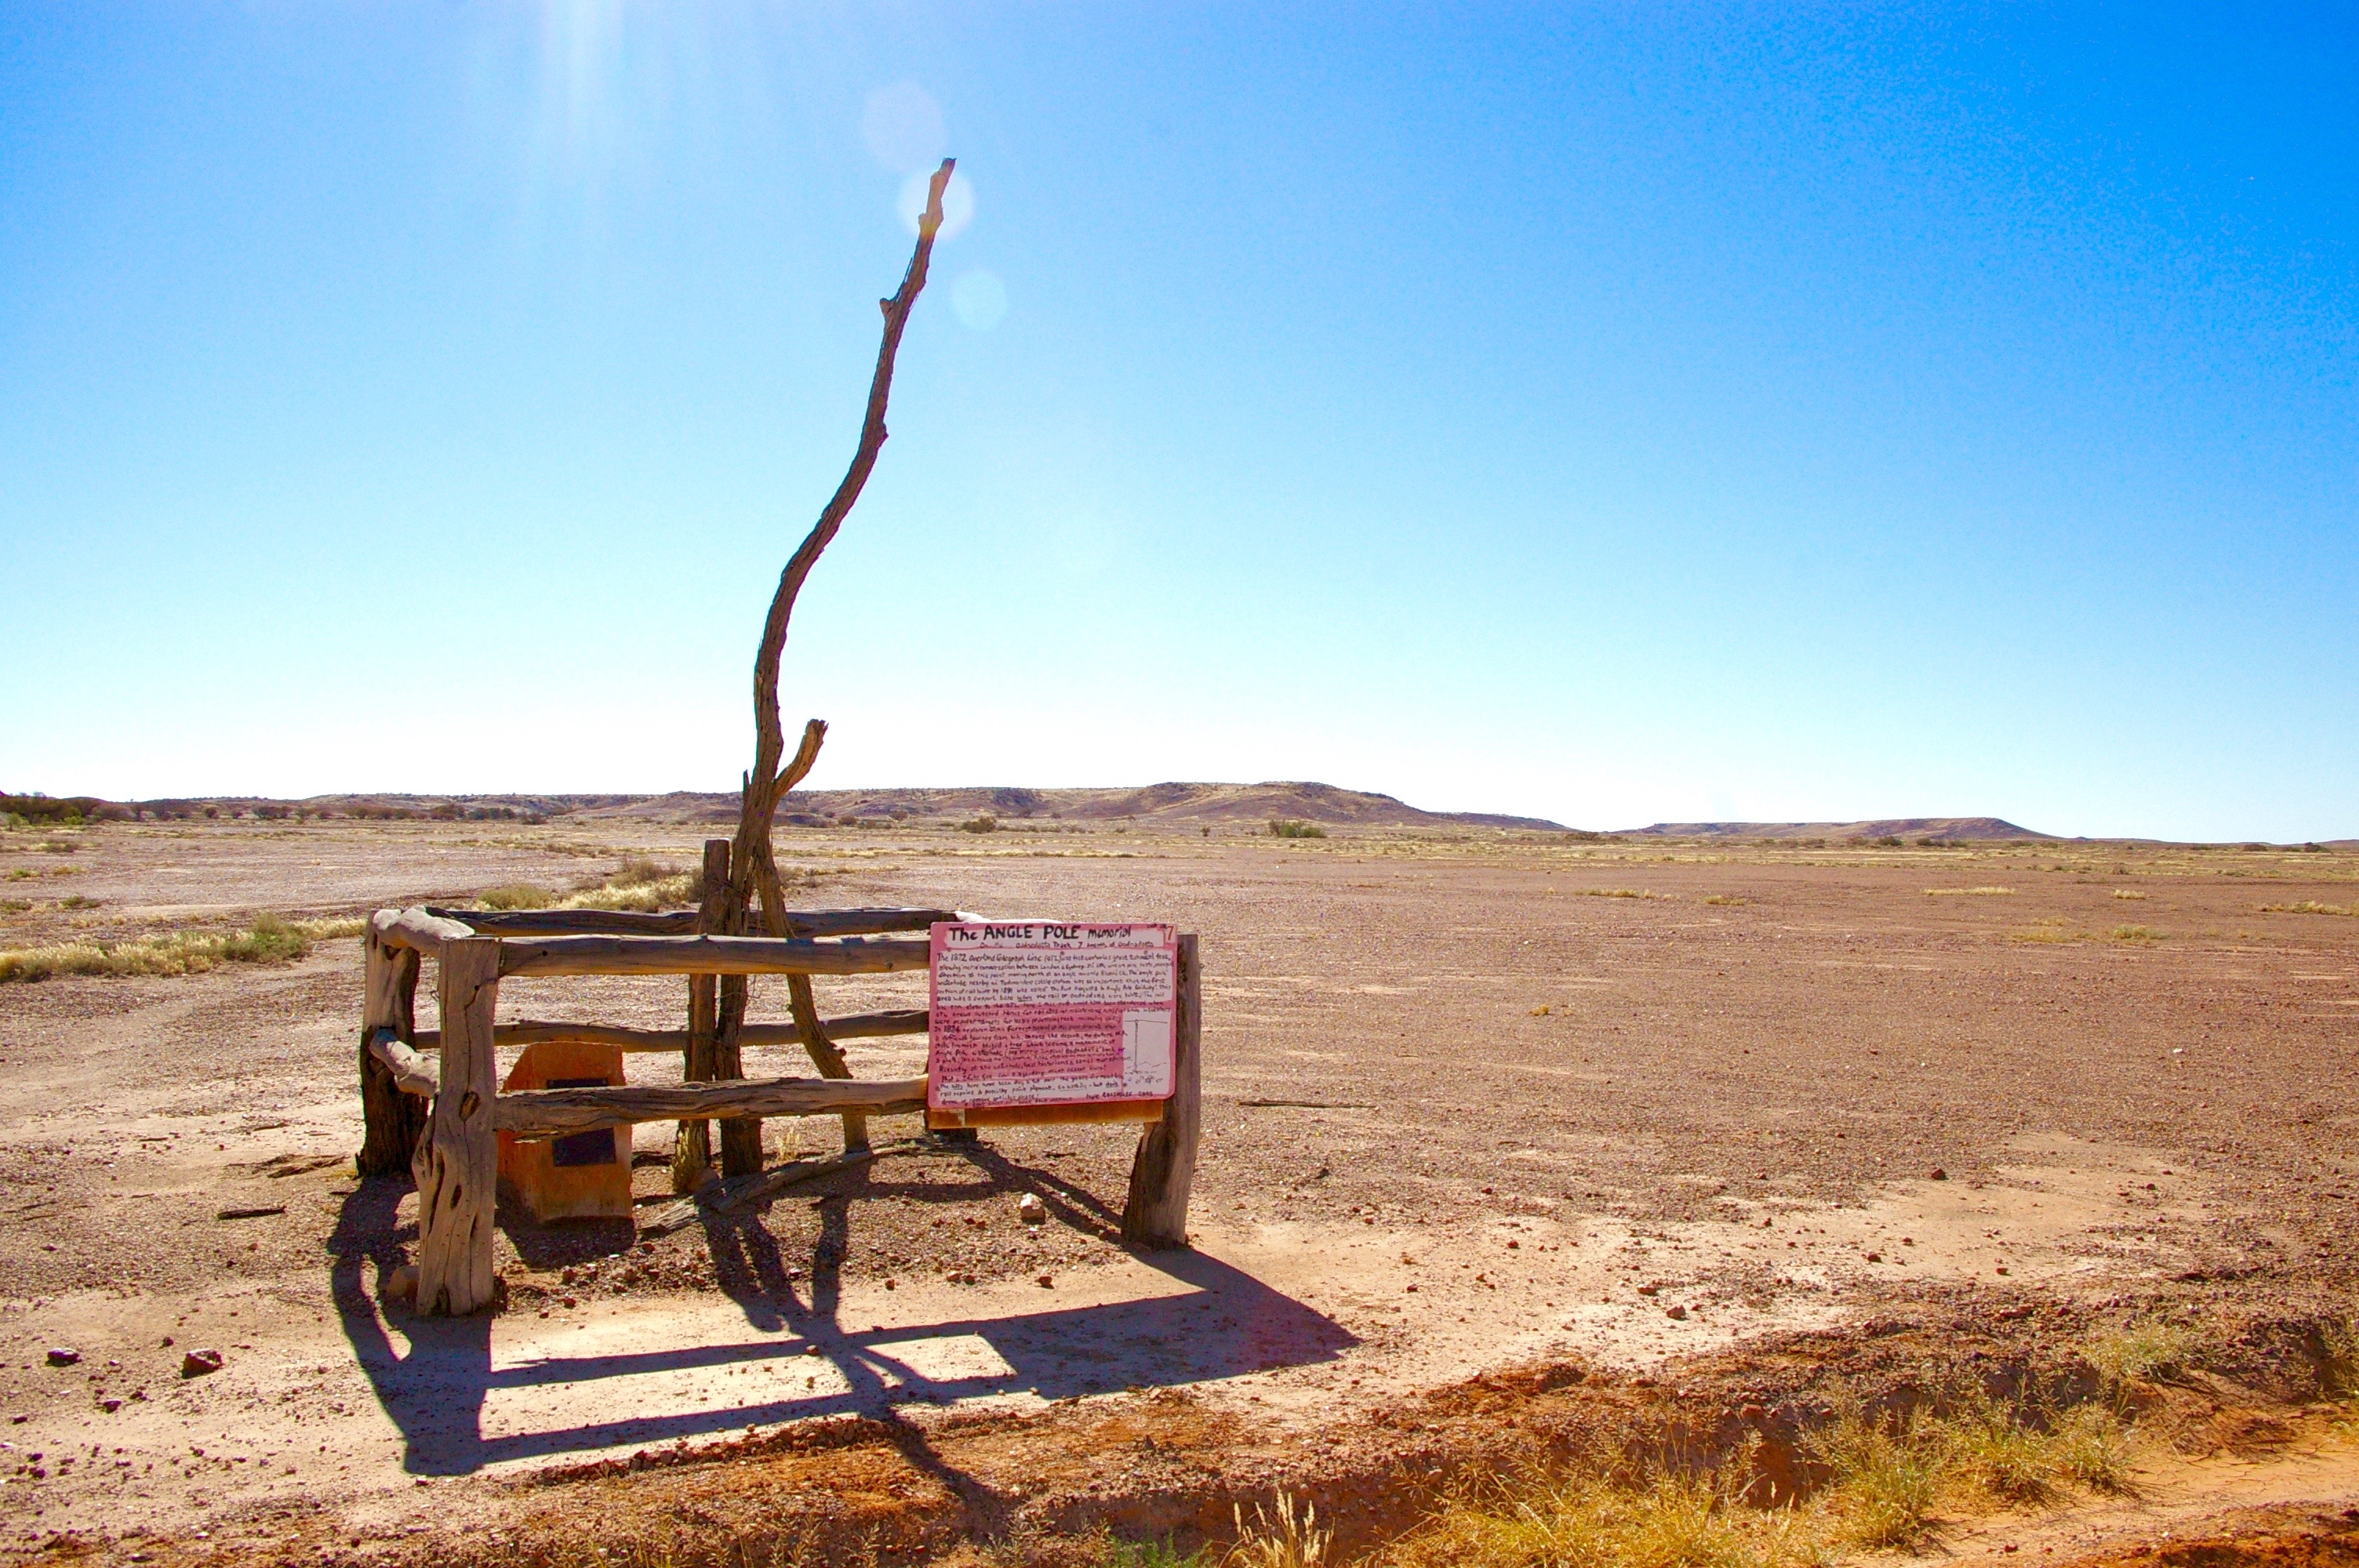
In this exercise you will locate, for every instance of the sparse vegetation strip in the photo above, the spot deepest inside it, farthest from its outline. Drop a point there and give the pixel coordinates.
(268, 940)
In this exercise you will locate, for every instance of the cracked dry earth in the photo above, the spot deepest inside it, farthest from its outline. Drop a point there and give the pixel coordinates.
(1472, 1102)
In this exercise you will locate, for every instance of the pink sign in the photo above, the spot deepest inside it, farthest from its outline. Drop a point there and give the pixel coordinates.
(1034, 1013)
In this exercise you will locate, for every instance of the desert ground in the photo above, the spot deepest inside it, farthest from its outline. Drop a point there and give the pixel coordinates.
(1511, 1137)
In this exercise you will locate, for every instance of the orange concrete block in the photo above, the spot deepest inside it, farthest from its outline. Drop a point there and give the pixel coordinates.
(583, 1176)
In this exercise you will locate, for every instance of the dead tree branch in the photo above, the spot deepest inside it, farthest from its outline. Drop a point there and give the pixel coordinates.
(752, 868)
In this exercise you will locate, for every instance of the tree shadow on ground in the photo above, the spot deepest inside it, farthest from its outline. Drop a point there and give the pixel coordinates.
(1214, 1321)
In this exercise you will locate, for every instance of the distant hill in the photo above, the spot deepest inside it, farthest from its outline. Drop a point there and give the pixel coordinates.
(1173, 803)
(1957, 828)
(1318, 802)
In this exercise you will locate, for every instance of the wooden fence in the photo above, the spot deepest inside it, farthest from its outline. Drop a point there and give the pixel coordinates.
(452, 1149)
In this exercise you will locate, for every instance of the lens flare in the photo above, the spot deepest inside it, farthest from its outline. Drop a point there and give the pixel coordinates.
(958, 202)
(979, 299)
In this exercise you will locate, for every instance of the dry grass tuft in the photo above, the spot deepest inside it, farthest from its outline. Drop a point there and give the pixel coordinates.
(1618, 893)
(2310, 906)
(1970, 893)
(2127, 892)
(269, 940)
(640, 884)
(1726, 899)
(2135, 1351)
(1682, 1521)
(2139, 935)
(1279, 1538)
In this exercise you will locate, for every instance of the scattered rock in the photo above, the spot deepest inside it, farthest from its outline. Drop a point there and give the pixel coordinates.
(1679, 1312)
(1048, 1281)
(1031, 1210)
(1940, 1174)
(198, 1363)
(1651, 1290)
(109, 1404)
(401, 1283)
(61, 1356)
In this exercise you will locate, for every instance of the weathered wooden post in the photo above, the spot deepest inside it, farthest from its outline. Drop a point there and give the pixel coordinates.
(1164, 1169)
(691, 1152)
(391, 1120)
(457, 1167)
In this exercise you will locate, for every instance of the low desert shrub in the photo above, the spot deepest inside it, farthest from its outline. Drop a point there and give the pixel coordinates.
(2310, 906)
(1722, 898)
(2135, 933)
(984, 823)
(1294, 828)
(1968, 893)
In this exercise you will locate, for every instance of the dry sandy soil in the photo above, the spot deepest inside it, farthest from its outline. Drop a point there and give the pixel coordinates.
(1595, 1128)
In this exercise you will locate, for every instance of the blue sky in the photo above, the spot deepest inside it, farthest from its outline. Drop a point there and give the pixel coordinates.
(1612, 412)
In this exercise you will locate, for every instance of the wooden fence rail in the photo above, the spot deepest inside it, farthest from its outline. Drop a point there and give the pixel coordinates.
(852, 1026)
(709, 956)
(552, 1113)
(682, 922)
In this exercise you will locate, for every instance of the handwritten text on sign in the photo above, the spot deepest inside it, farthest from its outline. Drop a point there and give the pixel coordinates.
(1034, 1012)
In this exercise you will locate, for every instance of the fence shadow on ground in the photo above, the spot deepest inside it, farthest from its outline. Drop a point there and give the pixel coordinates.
(1215, 1322)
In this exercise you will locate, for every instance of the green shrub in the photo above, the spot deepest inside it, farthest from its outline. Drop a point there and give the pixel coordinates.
(1294, 828)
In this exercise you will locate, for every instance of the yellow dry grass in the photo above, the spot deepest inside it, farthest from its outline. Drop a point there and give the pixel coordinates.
(640, 884)
(269, 939)
(1891, 1480)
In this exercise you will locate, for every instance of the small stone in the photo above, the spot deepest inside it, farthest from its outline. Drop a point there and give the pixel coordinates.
(401, 1283)
(1031, 1210)
(1651, 1290)
(109, 1404)
(889, 1284)
(1876, 1257)
(168, 1342)
(1677, 1312)
(61, 1356)
(1046, 1281)
(197, 1363)
(2002, 1268)
(1940, 1174)
(810, 1349)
